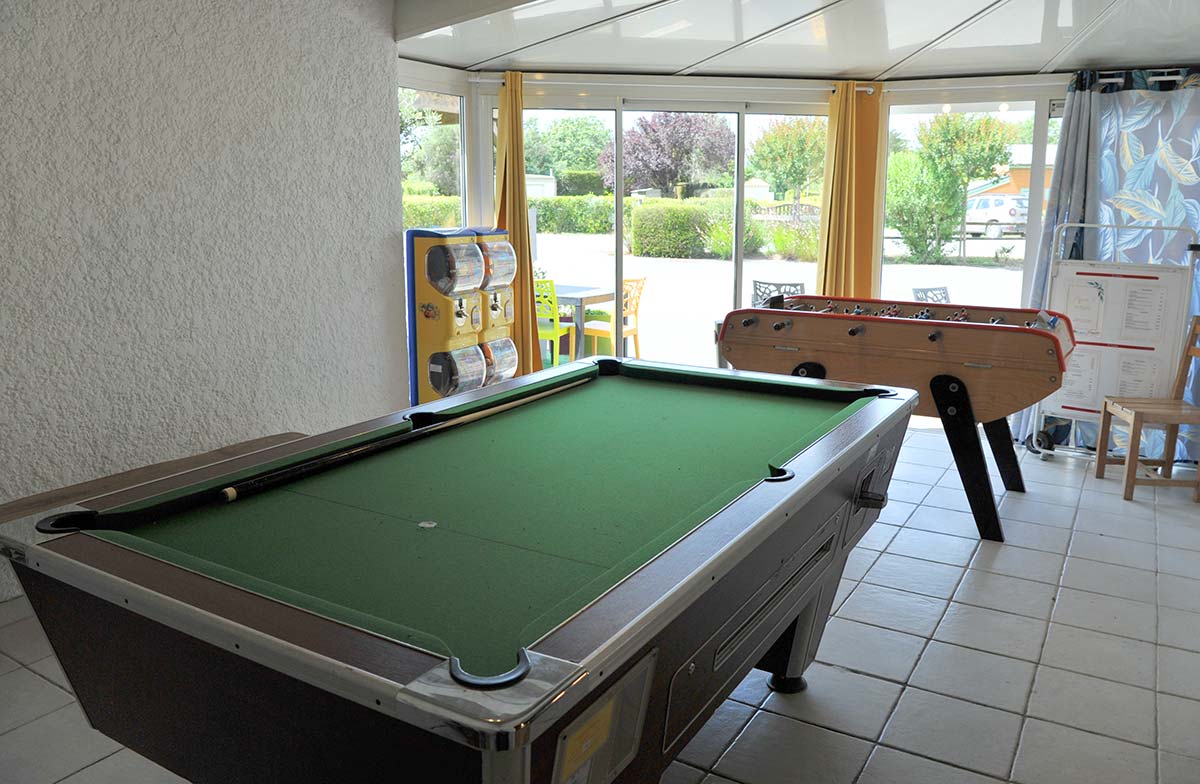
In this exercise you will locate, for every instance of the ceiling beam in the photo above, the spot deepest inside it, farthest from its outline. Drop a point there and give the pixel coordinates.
(1077, 39)
(414, 17)
(960, 26)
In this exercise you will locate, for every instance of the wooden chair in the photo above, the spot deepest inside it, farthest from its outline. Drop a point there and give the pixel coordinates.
(764, 290)
(549, 326)
(631, 296)
(937, 294)
(1138, 412)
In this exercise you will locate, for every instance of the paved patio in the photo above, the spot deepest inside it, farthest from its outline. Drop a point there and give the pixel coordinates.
(683, 297)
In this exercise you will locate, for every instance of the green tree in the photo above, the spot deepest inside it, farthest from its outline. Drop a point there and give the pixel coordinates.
(575, 143)
(537, 154)
(921, 205)
(954, 149)
(896, 142)
(437, 158)
(1024, 132)
(413, 121)
(790, 154)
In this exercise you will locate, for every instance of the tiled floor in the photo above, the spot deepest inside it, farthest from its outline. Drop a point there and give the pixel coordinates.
(1068, 655)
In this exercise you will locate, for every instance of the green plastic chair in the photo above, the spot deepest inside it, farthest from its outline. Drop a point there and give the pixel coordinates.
(549, 327)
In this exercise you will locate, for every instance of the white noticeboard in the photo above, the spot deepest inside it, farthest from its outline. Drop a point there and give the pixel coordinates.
(1128, 321)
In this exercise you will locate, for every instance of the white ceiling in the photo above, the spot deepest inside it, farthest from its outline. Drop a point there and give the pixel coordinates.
(859, 39)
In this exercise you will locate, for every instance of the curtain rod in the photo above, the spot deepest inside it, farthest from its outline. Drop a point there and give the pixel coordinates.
(1160, 75)
(480, 79)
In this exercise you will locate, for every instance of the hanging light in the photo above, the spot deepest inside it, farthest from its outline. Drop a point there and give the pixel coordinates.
(945, 108)
(1003, 108)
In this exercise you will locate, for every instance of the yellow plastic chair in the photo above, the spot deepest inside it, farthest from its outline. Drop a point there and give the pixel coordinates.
(549, 326)
(631, 296)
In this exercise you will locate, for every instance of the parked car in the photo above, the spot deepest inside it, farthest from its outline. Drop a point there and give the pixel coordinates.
(995, 214)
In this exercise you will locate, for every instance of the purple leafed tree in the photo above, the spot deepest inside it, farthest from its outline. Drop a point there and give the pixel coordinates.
(671, 147)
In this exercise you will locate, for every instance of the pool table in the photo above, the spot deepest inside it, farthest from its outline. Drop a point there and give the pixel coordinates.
(555, 579)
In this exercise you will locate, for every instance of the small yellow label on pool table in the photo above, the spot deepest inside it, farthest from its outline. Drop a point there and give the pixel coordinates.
(587, 740)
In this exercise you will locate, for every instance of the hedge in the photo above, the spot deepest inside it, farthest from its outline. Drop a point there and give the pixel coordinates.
(796, 241)
(574, 214)
(428, 212)
(414, 187)
(669, 228)
(574, 182)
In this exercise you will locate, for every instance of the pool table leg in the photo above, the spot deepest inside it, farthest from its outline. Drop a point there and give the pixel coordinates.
(954, 408)
(789, 655)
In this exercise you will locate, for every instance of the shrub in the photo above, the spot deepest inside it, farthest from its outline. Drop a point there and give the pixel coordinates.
(668, 228)
(574, 214)
(574, 182)
(796, 241)
(415, 187)
(422, 212)
(718, 239)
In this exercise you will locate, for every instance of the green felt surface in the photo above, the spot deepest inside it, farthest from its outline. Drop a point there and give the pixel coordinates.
(538, 510)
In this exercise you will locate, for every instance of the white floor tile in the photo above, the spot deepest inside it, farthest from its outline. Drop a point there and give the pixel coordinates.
(126, 767)
(1101, 613)
(1177, 561)
(878, 537)
(1114, 709)
(1113, 549)
(14, 610)
(869, 649)
(1050, 493)
(890, 766)
(1036, 537)
(1177, 769)
(1029, 511)
(1103, 655)
(753, 689)
(896, 512)
(1182, 516)
(840, 700)
(909, 492)
(678, 773)
(914, 574)
(777, 750)
(935, 440)
(926, 475)
(713, 778)
(51, 670)
(30, 759)
(1179, 673)
(703, 750)
(24, 697)
(972, 675)
(943, 521)
(1010, 594)
(1113, 483)
(954, 550)
(1179, 628)
(1115, 525)
(892, 609)
(1110, 579)
(992, 631)
(961, 733)
(7, 664)
(1097, 501)
(955, 499)
(1177, 722)
(24, 641)
(844, 589)
(934, 458)
(1018, 562)
(1172, 534)
(858, 562)
(1054, 754)
(1178, 592)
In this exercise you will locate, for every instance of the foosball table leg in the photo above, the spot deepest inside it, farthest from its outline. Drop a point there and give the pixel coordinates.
(1000, 438)
(954, 407)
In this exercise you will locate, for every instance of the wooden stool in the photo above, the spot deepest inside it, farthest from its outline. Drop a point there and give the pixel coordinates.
(1137, 412)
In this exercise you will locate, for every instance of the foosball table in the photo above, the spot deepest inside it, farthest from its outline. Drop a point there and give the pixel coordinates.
(977, 365)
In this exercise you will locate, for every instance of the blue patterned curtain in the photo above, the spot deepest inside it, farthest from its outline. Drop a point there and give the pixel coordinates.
(1129, 155)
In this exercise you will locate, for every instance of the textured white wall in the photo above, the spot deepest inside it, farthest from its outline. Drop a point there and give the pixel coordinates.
(199, 229)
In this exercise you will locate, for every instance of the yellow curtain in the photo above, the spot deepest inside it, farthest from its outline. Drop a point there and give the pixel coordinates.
(850, 208)
(512, 213)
